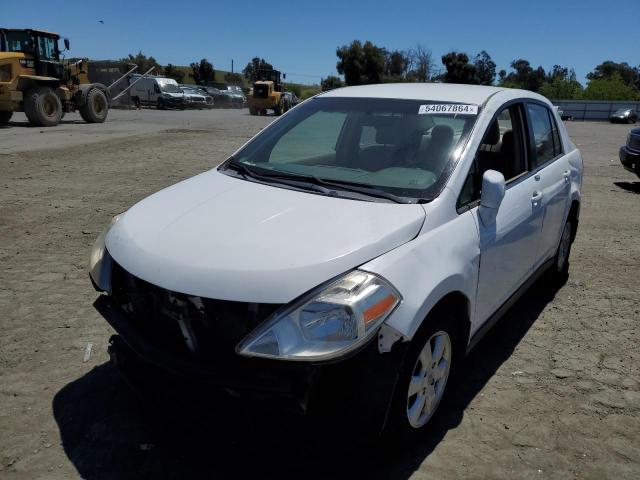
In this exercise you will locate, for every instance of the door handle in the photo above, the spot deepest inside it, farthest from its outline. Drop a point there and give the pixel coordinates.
(536, 197)
(567, 176)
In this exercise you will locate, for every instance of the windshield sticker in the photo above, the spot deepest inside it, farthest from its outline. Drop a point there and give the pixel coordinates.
(448, 108)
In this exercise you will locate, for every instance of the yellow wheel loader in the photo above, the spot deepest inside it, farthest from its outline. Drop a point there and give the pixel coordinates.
(35, 81)
(267, 94)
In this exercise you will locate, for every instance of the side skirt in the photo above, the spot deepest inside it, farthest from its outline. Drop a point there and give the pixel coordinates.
(493, 319)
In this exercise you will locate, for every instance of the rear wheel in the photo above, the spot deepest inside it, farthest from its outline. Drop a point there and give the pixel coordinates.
(42, 107)
(560, 267)
(5, 117)
(95, 108)
(253, 111)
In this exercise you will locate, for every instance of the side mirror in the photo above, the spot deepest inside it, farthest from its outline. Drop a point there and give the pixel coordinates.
(66, 44)
(493, 187)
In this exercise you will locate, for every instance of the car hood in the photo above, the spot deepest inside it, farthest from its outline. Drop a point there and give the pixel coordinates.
(221, 237)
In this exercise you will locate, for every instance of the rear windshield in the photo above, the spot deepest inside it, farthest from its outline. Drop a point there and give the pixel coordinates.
(405, 147)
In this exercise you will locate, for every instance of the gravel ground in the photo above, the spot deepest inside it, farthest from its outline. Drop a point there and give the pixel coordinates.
(552, 392)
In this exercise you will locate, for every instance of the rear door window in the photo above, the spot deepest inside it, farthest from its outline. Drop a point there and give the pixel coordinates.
(545, 138)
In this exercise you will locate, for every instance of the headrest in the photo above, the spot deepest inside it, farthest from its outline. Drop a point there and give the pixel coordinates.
(508, 139)
(442, 135)
(387, 131)
(492, 136)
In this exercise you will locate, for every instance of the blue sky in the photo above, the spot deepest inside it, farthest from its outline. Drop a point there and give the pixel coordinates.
(300, 38)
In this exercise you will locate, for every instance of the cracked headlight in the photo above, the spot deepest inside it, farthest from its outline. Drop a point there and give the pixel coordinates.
(100, 260)
(327, 322)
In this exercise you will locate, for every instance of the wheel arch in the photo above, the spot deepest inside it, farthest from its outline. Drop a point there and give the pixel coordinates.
(27, 82)
(455, 304)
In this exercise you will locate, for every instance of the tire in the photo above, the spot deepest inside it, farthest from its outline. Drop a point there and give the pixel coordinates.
(560, 267)
(422, 387)
(161, 105)
(5, 117)
(95, 107)
(279, 109)
(253, 111)
(42, 107)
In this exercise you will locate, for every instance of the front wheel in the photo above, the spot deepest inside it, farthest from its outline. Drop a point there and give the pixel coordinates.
(42, 107)
(160, 104)
(424, 378)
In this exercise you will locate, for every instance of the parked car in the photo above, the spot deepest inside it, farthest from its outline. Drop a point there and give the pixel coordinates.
(156, 91)
(238, 98)
(561, 114)
(343, 262)
(221, 98)
(196, 97)
(624, 115)
(630, 153)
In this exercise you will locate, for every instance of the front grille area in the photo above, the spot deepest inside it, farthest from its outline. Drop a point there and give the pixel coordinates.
(156, 314)
(634, 141)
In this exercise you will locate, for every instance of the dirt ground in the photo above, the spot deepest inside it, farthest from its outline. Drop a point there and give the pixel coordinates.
(552, 392)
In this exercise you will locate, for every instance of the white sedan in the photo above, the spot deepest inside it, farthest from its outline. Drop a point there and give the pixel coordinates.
(346, 259)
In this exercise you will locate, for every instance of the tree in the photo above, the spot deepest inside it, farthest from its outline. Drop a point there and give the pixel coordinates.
(256, 64)
(561, 84)
(143, 62)
(203, 72)
(397, 63)
(613, 88)
(485, 69)
(172, 72)
(361, 64)
(421, 66)
(458, 68)
(524, 76)
(233, 78)
(608, 70)
(330, 83)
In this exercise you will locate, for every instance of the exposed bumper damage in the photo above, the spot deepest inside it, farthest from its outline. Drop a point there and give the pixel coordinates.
(249, 393)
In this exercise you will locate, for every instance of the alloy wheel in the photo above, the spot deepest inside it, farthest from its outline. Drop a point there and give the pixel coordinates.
(429, 378)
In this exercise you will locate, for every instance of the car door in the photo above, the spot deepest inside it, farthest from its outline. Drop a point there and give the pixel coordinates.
(553, 174)
(508, 246)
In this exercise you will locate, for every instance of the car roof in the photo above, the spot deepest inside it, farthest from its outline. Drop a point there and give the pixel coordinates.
(444, 92)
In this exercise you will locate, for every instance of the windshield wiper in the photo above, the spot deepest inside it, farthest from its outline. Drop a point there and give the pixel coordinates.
(344, 185)
(283, 179)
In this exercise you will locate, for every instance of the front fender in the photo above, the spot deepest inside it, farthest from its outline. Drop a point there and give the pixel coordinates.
(443, 259)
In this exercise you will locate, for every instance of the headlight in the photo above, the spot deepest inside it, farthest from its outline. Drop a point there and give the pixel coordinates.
(327, 322)
(100, 260)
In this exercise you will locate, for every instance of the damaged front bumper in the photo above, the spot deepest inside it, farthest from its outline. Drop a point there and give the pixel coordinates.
(351, 395)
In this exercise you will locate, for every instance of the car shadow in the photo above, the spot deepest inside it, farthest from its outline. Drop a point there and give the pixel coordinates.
(107, 433)
(633, 187)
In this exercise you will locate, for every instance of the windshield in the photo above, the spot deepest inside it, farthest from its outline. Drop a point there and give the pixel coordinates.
(622, 111)
(170, 88)
(403, 147)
